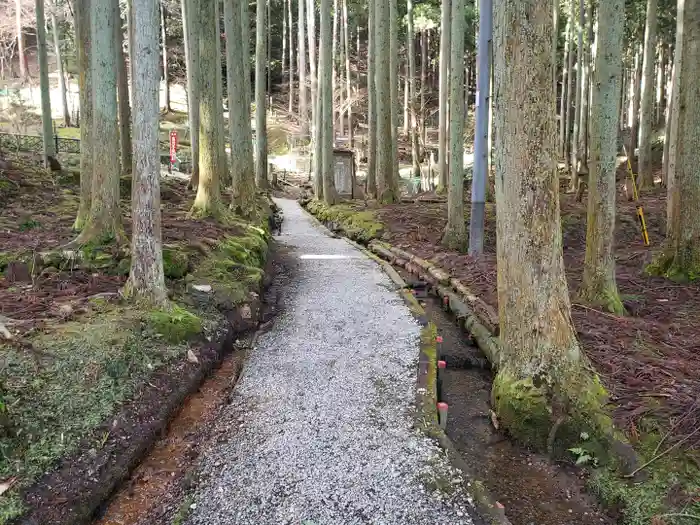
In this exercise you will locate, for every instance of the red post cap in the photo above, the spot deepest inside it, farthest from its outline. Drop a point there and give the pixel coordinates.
(442, 364)
(442, 406)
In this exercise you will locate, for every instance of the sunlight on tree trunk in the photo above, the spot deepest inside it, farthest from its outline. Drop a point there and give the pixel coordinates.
(672, 131)
(443, 137)
(301, 63)
(208, 199)
(386, 181)
(455, 236)
(21, 52)
(146, 280)
(260, 95)
(325, 109)
(82, 20)
(646, 175)
(59, 69)
(599, 286)
(46, 120)
(191, 41)
(544, 393)
(240, 134)
(291, 57)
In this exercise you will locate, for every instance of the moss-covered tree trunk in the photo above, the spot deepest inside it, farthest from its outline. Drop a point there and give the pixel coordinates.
(46, 119)
(191, 41)
(681, 260)
(386, 181)
(325, 108)
(104, 220)
(455, 236)
(646, 118)
(445, 56)
(599, 285)
(240, 134)
(146, 277)
(371, 104)
(208, 199)
(123, 102)
(82, 23)
(411, 52)
(544, 392)
(260, 95)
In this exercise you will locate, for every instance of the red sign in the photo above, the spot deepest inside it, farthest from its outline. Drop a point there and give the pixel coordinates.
(173, 146)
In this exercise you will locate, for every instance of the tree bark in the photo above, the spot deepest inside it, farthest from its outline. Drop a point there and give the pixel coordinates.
(325, 109)
(191, 36)
(599, 286)
(240, 134)
(164, 40)
(423, 86)
(260, 96)
(83, 12)
(406, 99)
(122, 95)
(672, 131)
(46, 120)
(646, 175)
(207, 202)
(303, 97)
(22, 56)
(59, 69)
(455, 236)
(580, 80)
(348, 78)
(372, 104)
(146, 277)
(544, 393)
(570, 87)
(636, 103)
(445, 54)
(564, 102)
(411, 52)
(291, 56)
(334, 63)
(394, 84)
(386, 181)
(314, 92)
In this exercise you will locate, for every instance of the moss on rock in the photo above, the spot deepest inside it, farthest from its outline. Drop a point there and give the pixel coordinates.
(175, 325)
(360, 225)
(176, 263)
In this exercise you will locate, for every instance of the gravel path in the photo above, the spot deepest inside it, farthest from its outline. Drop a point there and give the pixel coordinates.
(319, 431)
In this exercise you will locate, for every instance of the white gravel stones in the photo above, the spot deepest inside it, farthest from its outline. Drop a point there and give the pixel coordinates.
(320, 429)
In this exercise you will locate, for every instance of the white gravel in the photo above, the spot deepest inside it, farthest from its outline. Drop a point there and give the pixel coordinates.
(320, 430)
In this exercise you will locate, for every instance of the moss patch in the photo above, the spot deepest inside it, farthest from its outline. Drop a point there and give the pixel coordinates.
(175, 263)
(360, 225)
(174, 325)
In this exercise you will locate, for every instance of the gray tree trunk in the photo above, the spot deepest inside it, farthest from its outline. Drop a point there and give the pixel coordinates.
(59, 69)
(303, 97)
(225, 174)
(146, 277)
(46, 120)
(646, 175)
(455, 237)
(570, 87)
(260, 98)
(386, 180)
(394, 83)
(372, 103)
(164, 40)
(599, 286)
(348, 78)
(543, 381)
(23, 73)
(444, 90)
(672, 133)
(240, 134)
(122, 95)
(325, 109)
(191, 36)
(423, 86)
(207, 202)
(315, 95)
(291, 56)
(83, 12)
(582, 150)
(564, 102)
(406, 99)
(636, 103)
(580, 80)
(245, 23)
(411, 52)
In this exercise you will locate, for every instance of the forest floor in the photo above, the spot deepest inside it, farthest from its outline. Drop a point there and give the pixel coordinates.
(87, 379)
(648, 359)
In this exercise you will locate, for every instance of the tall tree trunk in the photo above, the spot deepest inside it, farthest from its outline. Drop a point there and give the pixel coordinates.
(660, 84)
(314, 92)
(191, 36)
(207, 202)
(681, 260)
(582, 149)
(636, 103)
(83, 12)
(46, 120)
(411, 52)
(240, 134)
(303, 97)
(291, 57)
(386, 181)
(122, 95)
(394, 84)
(260, 98)
(668, 132)
(225, 174)
(325, 109)
(104, 221)
(544, 392)
(570, 86)
(284, 39)
(646, 175)
(59, 69)
(455, 236)
(445, 55)
(334, 63)
(372, 102)
(245, 23)
(146, 277)
(23, 72)
(587, 96)
(348, 79)
(341, 72)
(406, 99)
(580, 82)
(423, 86)
(599, 286)
(268, 59)
(164, 40)
(564, 102)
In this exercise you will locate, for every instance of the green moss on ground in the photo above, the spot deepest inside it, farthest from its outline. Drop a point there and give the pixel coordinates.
(669, 486)
(176, 263)
(360, 225)
(175, 325)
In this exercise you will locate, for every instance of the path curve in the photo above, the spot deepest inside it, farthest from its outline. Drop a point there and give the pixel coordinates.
(320, 428)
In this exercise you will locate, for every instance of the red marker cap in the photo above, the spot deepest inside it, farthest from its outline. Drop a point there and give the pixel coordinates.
(442, 364)
(442, 406)
(439, 339)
